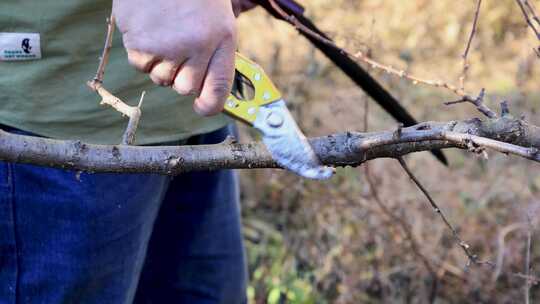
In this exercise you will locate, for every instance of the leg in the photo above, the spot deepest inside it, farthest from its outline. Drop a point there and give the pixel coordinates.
(70, 240)
(196, 253)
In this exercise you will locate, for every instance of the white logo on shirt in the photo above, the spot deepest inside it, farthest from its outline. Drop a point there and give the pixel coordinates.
(20, 46)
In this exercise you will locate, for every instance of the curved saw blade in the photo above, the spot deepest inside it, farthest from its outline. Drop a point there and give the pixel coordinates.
(287, 144)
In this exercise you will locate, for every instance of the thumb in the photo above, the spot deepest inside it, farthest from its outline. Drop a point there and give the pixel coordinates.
(218, 81)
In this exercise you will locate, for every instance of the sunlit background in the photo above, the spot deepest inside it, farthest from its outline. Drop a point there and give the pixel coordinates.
(334, 242)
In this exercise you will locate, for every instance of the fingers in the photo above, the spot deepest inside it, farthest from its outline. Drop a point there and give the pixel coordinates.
(218, 81)
(189, 47)
(163, 73)
(190, 76)
(210, 78)
(141, 61)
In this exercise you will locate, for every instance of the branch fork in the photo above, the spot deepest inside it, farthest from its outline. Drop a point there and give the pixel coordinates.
(107, 98)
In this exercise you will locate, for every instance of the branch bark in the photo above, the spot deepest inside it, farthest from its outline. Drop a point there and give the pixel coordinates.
(506, 134)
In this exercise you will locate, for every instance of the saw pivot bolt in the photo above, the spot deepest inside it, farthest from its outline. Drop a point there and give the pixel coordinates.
(274, 120)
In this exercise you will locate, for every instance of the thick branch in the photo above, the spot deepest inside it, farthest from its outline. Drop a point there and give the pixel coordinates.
(506, 135)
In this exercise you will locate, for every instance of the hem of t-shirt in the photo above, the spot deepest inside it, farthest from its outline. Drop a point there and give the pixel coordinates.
(144, 142)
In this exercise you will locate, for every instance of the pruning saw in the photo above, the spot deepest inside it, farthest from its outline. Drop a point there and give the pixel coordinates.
(267, 112)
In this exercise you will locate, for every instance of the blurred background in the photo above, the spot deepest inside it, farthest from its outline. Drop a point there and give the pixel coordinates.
(372, 238)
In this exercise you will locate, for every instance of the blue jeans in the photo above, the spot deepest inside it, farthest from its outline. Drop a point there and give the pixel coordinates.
(120, 238)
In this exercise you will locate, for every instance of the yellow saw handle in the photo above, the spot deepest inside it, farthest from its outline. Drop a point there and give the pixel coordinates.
(265, 91)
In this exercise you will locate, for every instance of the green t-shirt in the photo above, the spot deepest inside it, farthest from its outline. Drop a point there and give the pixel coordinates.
(49, 96)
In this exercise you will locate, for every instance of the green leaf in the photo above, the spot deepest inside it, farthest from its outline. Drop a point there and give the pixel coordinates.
(274, 296)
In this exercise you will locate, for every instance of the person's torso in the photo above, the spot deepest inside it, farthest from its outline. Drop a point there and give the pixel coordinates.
(48, 95)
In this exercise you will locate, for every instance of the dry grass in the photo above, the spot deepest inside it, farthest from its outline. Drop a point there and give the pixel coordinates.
(314, 242)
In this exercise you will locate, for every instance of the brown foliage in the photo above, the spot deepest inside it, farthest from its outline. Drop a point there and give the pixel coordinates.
(335, 236)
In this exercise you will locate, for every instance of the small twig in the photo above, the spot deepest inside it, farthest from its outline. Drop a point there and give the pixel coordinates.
(403, 74)
(129, 134)
(104, 59)
(505, 148)
(532, 11)
(478, 102)
(363, 57)
(473, 258)
(528, 260)
(505, 110)
(534, 280)
(469, 42)
(501, 240)
(527, 18)
(107, 98)
(466, 140)
(133, 113)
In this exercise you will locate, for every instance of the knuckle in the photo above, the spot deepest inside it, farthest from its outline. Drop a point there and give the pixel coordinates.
(228, 31)
(163, 73)
(140, 61)
(188, 83)
(135, 62)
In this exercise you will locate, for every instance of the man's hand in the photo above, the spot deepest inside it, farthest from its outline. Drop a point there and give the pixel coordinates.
(186, 44)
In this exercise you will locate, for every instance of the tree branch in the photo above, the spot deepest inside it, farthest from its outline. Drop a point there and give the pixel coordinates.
(468, 47)
(524, 5)
(473, 258)
(506, 135)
